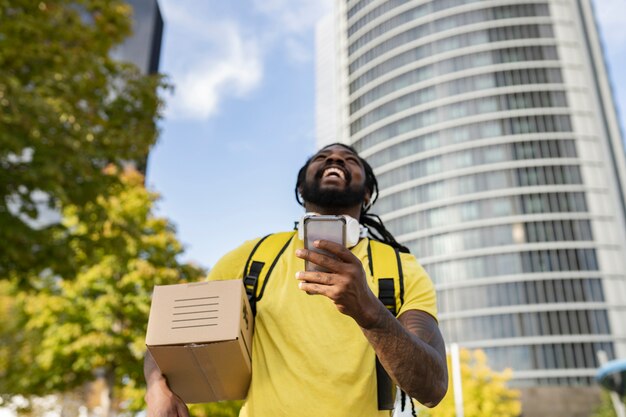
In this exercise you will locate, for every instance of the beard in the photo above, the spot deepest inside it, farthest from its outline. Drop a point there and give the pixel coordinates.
(332, 198)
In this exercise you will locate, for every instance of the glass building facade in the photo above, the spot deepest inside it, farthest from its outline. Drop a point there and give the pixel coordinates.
(492, 131)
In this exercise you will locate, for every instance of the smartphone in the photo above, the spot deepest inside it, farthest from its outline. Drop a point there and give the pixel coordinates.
(326, 227)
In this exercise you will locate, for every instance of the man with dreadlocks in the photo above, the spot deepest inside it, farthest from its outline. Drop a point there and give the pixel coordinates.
(315, 355)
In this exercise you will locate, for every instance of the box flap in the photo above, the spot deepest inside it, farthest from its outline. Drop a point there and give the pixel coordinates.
(205, 373)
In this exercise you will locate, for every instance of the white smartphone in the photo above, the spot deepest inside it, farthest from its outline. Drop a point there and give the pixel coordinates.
(326, 227)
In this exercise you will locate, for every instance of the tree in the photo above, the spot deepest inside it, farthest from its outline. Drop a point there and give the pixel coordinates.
(67, 110)
(485, 393)
(74, 294)
(220, 409)
(605, 408)
(92, 324)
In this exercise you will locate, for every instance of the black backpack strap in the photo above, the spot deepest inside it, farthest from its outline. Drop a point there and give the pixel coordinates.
(386, 268)
(261, 263)
(387, 294)
(251, 275)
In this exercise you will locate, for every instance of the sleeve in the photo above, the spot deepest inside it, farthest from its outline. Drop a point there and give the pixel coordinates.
(231, 265)
(419, 291)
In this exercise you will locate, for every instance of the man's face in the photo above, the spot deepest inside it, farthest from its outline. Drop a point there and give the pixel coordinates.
(335, 178)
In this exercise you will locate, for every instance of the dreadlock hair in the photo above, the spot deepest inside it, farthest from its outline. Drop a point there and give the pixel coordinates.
(376, 228)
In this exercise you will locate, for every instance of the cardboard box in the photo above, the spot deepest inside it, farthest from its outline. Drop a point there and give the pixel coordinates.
(200, 336)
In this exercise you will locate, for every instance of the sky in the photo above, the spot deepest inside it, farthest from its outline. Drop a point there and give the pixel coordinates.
(240, 122)
(241, 119)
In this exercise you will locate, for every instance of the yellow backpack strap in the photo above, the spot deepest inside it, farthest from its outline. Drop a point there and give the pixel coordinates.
(261, 262)
(386, 269)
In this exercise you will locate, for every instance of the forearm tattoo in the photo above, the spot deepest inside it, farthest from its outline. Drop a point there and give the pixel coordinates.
(412, 351)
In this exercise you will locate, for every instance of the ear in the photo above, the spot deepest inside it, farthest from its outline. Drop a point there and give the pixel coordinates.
(299, 197)
(367, 199)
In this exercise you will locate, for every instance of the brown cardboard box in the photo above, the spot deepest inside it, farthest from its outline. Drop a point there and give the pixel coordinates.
(200, 336)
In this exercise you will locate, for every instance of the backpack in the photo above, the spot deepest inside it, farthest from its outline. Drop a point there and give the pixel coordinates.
(384, 264)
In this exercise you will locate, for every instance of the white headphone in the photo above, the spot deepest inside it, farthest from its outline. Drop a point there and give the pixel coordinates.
(353, 229)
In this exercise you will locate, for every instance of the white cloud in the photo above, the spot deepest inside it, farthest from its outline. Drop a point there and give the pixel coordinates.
(292, 21)
(234, 72)
(213, 55)
(209, 61)
(294, 16)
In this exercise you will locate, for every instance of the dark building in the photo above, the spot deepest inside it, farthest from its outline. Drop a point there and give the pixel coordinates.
(143, 48)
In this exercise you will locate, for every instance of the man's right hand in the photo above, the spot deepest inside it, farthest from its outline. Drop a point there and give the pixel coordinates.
(162, 402)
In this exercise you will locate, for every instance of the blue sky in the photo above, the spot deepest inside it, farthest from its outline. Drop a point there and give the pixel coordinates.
(241, 120)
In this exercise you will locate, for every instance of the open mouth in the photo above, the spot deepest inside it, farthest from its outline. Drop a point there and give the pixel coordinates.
(334, 172)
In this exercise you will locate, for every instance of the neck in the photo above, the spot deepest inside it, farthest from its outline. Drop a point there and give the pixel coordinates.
(354, 211)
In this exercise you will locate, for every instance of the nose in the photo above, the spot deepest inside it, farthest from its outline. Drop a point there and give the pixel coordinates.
(335, 158)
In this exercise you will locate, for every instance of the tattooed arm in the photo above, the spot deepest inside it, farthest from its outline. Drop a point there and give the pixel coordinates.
(412, 351)
(410, 348)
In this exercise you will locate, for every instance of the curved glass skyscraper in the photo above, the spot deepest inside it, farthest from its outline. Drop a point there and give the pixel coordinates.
(492, 130)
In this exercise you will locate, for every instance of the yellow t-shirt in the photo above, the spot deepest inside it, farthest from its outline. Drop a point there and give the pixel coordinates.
(308, 359)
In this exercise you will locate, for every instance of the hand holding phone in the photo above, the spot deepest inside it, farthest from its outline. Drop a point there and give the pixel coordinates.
(323, 227)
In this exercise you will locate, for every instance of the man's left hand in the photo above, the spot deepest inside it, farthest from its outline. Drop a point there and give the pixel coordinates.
(345, 283)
